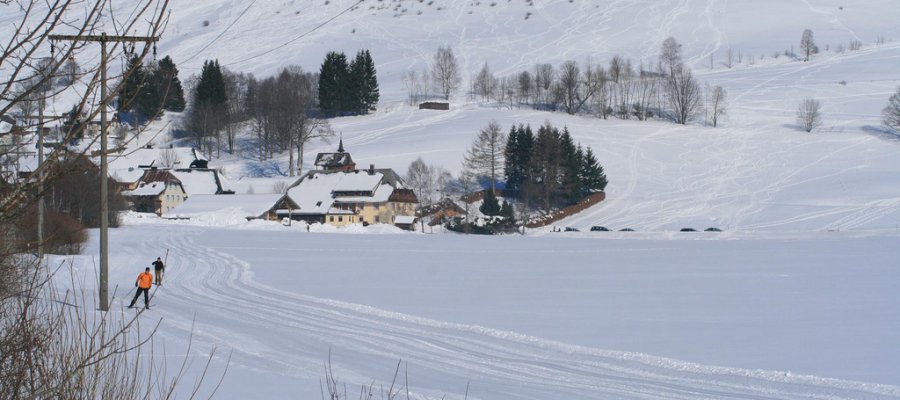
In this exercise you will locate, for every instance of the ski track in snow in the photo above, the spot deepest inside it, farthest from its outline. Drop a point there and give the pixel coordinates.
(266, 324)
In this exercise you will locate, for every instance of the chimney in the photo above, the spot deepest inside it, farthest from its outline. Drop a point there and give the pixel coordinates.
(371, 169)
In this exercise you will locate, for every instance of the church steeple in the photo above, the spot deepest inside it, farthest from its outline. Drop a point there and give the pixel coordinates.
(341, 144)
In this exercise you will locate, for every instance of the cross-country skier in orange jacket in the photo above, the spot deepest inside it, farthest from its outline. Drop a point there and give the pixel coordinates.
(143, 283)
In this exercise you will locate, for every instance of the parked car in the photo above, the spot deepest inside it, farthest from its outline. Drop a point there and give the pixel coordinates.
(599, 229)
(712, 229)
(626, 230)
(688, 230)
(571, 229)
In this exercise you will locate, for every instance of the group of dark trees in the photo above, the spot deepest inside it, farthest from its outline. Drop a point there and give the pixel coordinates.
(549, 170)
(149, 89)
(281, 110)
(285, 111)
(348, 88)
(543, 172)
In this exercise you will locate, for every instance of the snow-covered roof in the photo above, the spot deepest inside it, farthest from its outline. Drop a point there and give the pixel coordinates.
(404, 219)
(381, 195)
(245, 205)
(315, 193)
(358, 181)
(333, 159)
(125, 167)
(201, 181)
(147, 189)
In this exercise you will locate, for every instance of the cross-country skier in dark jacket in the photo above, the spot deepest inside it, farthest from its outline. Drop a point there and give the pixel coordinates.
(159, 268)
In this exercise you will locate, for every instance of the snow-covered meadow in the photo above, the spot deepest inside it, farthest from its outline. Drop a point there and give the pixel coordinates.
(797, 298)
(576, 315)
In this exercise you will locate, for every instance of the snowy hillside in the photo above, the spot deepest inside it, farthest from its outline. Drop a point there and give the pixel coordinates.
(796, 299)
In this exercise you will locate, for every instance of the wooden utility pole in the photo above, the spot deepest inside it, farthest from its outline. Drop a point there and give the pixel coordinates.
(103, 38)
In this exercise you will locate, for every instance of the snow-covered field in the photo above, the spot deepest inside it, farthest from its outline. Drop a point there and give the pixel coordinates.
(797, 298)
(601, 315)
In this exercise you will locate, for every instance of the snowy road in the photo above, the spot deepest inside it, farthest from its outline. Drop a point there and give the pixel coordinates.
(278, 332)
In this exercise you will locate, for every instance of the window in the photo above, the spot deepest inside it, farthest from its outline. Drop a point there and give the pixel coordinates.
(340, 218)
(377, 219)
(331, 218)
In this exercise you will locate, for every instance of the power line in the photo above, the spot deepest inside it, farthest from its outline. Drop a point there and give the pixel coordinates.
(300, 36)
(220, 34)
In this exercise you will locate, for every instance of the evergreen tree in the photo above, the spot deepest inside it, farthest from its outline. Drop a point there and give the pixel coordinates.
(570, 169)
(333, 84)
(593, 179)
(370, 83)
(132, 86)
(517, 156)
(211, 86)
(544, 168)
(148, 103)
(490, 206)
(368, 87)
(356, 81)
(169, 86)
(209, 104)
(508, 214)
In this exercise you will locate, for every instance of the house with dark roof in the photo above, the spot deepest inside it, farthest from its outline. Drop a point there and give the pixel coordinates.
(157, 191)
(334, 162)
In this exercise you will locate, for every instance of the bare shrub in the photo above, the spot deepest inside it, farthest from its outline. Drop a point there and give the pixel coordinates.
(809, 114)
(168, 158)
(62, 233)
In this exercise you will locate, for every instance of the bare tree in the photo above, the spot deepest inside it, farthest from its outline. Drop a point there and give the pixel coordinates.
(236, 107)
(568, 81)
(307, 130)
(645, 93)
(684, 94)
(809, 114)
(485, 83)
(525, 86)
(616, 67)
(716, 104)
(445, 71)
(420, 177)
(485, 157)
(670, 55)
(413, 86)
(729, 58)
(168, 158)
(807, 44)
(544, 76)
(891, 113)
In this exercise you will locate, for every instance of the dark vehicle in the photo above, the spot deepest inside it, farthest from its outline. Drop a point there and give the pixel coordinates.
(599, 229)
(712, 229)
(626, 230)
(571, 229)
(688, 230)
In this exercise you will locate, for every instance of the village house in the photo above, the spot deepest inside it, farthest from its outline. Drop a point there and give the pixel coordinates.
(127, 168)
(158, 192)
(338, 195)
